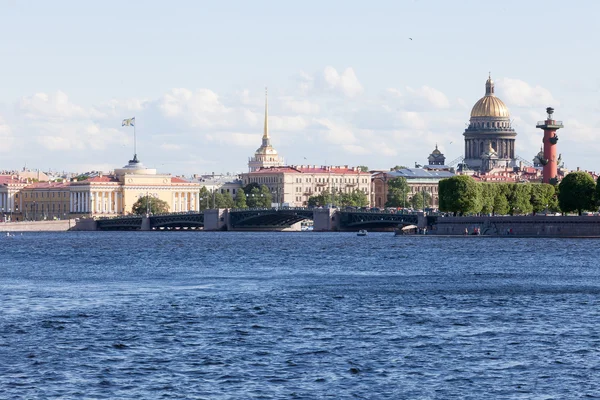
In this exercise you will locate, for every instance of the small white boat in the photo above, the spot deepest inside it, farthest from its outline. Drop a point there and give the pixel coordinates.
(362, 232)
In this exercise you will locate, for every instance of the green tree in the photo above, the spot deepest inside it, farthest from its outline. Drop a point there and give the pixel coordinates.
(204, 198)
(149, 203)
(541, 196)
(266, 198)
(397, 167)
(363, 168)
(500, 202)
(222, 200)
(519, 198)
(597, 193)
(320, 200)
(398, 190)
(421, 200)
(459, 194)
(253, 199)
(488, 196)
(576, 192)
(248, 188)
(359, 198)
(240, 199)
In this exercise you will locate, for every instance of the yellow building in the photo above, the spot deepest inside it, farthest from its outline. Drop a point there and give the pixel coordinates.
(45, 201)
(115, 194)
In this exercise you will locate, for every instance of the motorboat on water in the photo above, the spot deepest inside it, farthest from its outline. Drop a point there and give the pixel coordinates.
(362, 232)
(406, 230)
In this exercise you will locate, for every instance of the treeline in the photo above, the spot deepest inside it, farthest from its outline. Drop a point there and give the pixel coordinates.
(461, 194)
(356, 198)
(250, 196)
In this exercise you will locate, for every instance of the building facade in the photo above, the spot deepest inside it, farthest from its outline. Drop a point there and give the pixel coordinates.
(11, 203)
(418, 180)
(293, 185)
(489, 129)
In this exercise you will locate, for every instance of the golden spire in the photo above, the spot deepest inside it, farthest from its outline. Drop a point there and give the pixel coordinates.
(266, 130)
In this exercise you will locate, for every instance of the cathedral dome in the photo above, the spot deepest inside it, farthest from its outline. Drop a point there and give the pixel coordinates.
(489, 105)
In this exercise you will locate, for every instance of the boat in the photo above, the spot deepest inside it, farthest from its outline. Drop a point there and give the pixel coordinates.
(362, 232)
(406, 230)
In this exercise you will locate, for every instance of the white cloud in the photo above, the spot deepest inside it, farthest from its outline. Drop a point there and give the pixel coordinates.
(300, 106)
(411, 119)
(54, 106)
(235, 139)
(346, 82)
(171, 147)
(521, 94)
(356, 149)
(336, 133)
(198, 109)
(433, 97)
(6, 138)
(286, 123)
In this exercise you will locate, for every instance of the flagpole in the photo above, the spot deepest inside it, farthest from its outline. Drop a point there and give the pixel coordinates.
(134, 141)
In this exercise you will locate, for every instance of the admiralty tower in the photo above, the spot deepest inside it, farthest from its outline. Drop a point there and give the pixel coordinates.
(489, 134)
(265, 156)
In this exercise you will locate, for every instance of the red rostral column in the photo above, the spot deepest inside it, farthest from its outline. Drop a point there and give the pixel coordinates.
(550, 126)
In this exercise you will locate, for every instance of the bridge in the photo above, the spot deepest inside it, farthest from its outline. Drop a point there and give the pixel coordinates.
(325, 219)
(186, 220)
(268, 218)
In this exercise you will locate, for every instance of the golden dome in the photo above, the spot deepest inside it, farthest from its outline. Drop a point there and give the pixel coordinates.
(489, 105)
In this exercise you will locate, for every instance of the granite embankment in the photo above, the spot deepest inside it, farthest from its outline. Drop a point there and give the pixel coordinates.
(537, 225)
(37, 226)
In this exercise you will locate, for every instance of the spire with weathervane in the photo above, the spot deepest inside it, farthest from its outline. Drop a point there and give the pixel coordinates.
(266, 141)
(265, 156)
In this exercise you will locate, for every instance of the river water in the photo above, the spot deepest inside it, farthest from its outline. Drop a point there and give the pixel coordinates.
(165, 315)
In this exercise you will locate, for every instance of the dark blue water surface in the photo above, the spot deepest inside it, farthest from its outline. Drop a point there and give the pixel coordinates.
(161, 315)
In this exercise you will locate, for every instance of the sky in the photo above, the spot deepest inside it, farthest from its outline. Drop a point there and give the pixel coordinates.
(374, 83)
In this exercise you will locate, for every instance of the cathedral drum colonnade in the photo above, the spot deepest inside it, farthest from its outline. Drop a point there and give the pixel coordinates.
(489, 138)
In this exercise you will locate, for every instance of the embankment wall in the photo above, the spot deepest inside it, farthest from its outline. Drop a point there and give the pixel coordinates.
(538, 225)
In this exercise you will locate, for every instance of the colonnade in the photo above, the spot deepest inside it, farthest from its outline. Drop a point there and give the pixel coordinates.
(101, 202)
(475, 147)
(185, 201)
(7, 202)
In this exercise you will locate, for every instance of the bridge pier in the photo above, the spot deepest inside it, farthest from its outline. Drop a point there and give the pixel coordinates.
(216, 220)
(326, 219)
(145, 223)
(422, 220)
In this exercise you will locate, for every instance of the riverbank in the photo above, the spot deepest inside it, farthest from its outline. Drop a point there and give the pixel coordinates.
(37, 226)
(519, 226)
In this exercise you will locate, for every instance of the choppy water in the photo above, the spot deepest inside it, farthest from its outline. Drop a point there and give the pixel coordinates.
(163, 315)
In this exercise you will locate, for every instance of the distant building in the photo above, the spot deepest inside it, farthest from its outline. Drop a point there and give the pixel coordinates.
(265, 156)
(436, 158)
(104, 195)
(294, 184)
(489, 127)
(224, 184)
(419, 180)
(10, 197)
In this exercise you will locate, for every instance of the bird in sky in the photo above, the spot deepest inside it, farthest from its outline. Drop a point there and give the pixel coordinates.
(410, 38)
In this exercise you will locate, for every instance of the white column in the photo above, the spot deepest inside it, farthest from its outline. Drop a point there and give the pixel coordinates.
(110, 202)
(197, 202)
(103, 202)
(185, 201)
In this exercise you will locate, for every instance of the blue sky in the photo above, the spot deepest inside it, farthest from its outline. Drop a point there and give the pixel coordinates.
(346, 85)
